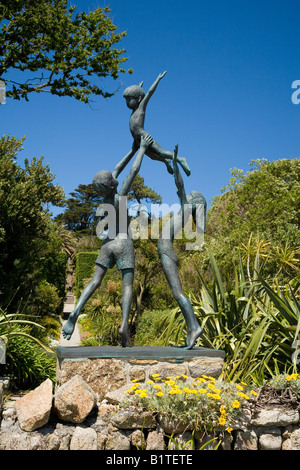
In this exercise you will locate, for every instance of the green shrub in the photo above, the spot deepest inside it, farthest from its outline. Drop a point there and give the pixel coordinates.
(150, 327)
(85, 265)
(27, 364)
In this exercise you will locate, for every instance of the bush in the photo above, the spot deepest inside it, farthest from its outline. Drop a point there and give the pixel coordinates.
(203, 404)
(27, 364)
(149, 329)
(85, 264)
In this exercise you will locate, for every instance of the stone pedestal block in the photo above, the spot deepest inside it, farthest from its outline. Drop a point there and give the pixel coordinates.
(106, 369)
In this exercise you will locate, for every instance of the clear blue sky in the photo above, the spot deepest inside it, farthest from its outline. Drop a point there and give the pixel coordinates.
(226, 98)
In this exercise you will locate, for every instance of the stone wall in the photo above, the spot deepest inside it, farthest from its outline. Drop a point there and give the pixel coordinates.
(82, 412)
(75, 420)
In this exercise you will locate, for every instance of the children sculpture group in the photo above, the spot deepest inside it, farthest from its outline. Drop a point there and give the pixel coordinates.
(119, 250)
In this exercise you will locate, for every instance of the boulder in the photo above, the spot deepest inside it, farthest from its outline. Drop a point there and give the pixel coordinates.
(74, 400)
(33, 409)
(84, 439)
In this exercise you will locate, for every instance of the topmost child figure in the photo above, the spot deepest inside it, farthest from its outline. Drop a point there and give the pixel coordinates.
(137, 100)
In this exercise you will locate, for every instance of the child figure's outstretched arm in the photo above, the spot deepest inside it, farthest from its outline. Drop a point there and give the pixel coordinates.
(122, 163)
(178, 179)
(151, 90)
(145, 142)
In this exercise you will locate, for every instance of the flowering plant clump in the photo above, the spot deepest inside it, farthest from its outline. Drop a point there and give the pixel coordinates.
(284, 381)
(204, 403)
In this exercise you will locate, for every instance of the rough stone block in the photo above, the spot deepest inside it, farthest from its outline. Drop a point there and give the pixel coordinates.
(102, 375)
(33, 409)
(166, 369)
(84, 439)
(211, 366)
(276, 416)
(74, 400)
(133, 419)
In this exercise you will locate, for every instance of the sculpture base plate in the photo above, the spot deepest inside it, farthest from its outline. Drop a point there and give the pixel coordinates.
(137, 352)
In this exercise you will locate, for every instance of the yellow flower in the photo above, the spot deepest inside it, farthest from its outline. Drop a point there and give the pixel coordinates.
(178, 392)
(203, 381)
(243, 395)
(160, 394)
(239, 387)
(236, 404)
(169, 382)
(254, 393)
(291, 377)
(222, 420)
(210, 395)
(156, 376)
(211, 386)
(150, 382)
(143, 394)
(243, 383)
(135, 380)
(223, 410)
(170, 378)
(217, 390)
(216, 396)
(184, 376)
(202, 390)
(156, 386)
(229, 429)
(133, 387)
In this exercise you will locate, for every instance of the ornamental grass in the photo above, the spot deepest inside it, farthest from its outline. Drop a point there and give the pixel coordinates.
(203, 403)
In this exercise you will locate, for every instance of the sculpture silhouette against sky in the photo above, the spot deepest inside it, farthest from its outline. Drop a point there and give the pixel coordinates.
(117, 248)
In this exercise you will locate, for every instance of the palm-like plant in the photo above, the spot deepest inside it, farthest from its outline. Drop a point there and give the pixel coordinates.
(7, 323)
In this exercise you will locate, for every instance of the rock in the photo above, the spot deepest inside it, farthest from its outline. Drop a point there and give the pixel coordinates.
(124, 419)
(276, 416)
(293, 440)
(116, 396)
(137, 373)
(74, 400)
(167, 369)
(84, 439)
(102, 375)
(172, 426)
(246, 440)
(270, 440)
(155, 441)
(211, 366)
(183, 441)
(13, 441)
(117, 441)
(33, 409)
(138, 440)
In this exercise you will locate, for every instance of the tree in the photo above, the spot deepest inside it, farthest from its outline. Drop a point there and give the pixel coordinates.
(261, 205)
(25, 220)
(63, 52)
(80, 213)
(140, 192)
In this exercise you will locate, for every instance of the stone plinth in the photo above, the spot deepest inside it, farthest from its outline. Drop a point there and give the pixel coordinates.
(106, 369)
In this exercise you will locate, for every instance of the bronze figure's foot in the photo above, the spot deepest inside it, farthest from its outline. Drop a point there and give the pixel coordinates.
(68, 328)
(123, 332)
(192, 337)
(184, 165)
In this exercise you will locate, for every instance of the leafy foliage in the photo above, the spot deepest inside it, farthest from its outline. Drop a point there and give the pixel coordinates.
(264, 202)
(80, 213)
(25, 220)
(60, 50)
